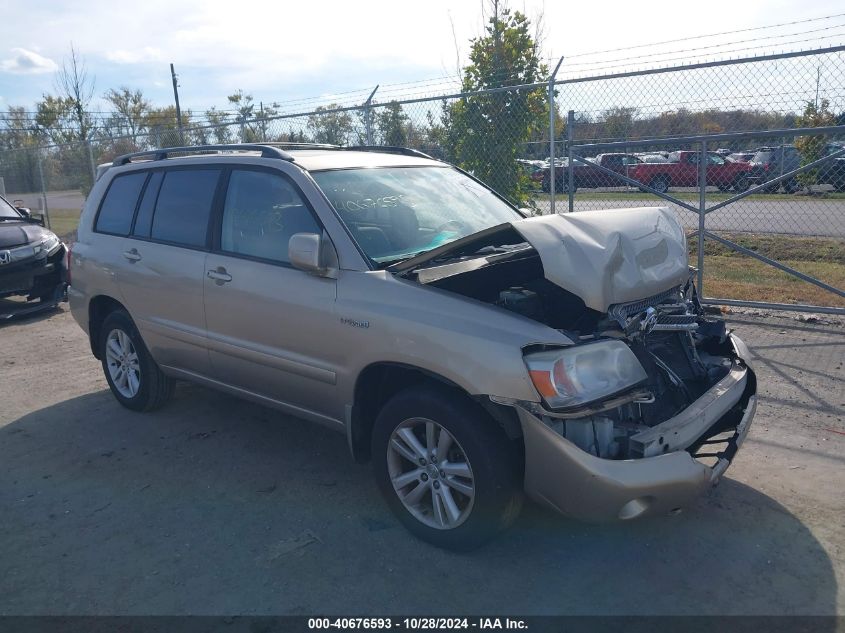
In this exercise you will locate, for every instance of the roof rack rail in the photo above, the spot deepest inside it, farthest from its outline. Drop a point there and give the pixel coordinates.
(267, 151)
(297, 145)
(388, 149)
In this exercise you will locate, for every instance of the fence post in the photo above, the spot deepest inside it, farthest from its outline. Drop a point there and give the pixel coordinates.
(702, 213)
(552, 166)
(91, 162)
(43, 188)
(570, 164)
(367, 116)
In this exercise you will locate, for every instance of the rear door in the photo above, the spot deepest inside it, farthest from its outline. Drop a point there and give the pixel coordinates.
(270, 325)
(165, 255)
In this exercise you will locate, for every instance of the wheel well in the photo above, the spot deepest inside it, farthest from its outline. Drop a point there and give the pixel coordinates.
(98, 309)
(378, 382)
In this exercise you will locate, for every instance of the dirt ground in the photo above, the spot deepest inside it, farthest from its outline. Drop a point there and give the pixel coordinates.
(215, 506)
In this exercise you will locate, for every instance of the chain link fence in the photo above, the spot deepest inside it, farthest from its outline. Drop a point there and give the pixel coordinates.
(765, 210)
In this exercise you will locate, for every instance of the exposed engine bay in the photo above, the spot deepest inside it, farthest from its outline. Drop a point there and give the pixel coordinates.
(685, 354)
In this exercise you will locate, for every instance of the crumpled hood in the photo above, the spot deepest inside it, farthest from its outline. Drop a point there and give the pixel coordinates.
(19, 233)
(612, 255)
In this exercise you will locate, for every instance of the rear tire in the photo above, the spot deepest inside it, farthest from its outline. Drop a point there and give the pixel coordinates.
(659, 184)
(792, 186)
(469, 487)
(133, 376)
(741, 184)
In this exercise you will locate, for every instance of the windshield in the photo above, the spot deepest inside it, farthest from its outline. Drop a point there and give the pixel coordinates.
(397, 212)
(7, 211)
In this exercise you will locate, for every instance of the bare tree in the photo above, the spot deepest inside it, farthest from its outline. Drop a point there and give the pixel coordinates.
(75, 85)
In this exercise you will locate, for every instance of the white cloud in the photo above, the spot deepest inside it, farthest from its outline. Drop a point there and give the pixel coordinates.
(24, 62)
(289, 50)
(137, 56)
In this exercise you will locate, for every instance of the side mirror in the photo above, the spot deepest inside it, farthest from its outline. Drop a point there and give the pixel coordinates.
(304, 252)
(26, 212)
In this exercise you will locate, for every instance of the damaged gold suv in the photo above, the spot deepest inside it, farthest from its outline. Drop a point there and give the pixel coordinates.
(472, 354)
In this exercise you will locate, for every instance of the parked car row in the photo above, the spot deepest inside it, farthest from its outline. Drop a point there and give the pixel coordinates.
(660, 171)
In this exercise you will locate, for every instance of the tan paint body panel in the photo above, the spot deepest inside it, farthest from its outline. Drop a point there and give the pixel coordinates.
(610, 256)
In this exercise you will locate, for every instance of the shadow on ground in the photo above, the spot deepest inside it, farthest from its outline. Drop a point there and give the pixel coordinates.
(215, 506)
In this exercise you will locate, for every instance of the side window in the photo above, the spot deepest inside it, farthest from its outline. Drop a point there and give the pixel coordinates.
(118, 206)
(144, 219)
(184, 206)
(262, 212)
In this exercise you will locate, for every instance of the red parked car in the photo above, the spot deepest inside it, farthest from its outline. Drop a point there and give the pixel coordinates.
(589, 175)
(682, 171)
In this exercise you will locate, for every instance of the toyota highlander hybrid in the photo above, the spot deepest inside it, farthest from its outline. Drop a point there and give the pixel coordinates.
(471, 353)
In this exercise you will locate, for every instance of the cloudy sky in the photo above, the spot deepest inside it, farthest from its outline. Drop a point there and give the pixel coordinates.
(284, 51)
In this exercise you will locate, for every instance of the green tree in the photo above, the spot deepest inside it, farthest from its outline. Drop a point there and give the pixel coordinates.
(54, 119)
(812, 148)
(220, 133)
(163, 127)
(19, 161)
(619, 122)
(129, 110)
(488, 132)
(244, 115)
(392, 125)
(334, 128)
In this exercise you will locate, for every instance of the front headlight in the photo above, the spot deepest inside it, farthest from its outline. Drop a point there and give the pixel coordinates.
(48, 244)
(580, 374)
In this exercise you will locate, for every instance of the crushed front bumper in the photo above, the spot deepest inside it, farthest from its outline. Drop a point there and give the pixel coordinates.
(43, 278)
(561, 475)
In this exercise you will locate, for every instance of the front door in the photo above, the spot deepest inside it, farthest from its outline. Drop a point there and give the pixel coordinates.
(269, 324)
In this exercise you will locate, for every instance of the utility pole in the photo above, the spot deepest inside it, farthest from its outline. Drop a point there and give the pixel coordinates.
(178, 109)
(263, 122)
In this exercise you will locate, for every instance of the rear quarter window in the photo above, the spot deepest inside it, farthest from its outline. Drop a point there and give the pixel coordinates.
(184, 205)
(118, 206)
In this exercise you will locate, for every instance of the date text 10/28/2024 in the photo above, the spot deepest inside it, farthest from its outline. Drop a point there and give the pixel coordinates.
(418, 624)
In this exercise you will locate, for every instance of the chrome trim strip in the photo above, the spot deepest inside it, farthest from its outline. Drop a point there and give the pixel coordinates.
(263, 356)
(251, 395)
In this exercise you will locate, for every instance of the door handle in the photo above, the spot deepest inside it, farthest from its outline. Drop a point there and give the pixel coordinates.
(133, 255)
(220, 275)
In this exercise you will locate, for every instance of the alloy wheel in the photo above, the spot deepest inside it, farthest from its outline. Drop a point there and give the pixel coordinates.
(122, 362)
(430, 473)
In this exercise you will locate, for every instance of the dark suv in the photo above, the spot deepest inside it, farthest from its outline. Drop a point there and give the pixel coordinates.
(32, 259)
(770, 163)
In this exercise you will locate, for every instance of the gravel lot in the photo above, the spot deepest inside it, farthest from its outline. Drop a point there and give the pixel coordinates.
(214, 506)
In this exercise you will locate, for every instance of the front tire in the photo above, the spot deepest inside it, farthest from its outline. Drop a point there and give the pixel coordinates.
(133, 376)
(445, 468)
